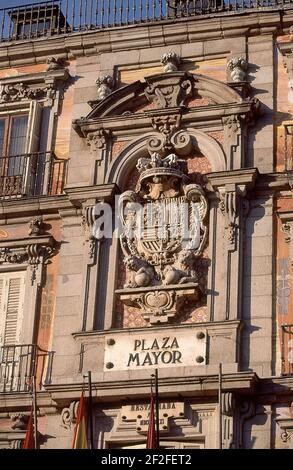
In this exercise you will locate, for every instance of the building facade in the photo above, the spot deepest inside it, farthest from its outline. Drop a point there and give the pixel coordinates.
(183, 110)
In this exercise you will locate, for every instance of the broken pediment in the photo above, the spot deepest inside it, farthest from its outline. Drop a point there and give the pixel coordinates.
(160, 91)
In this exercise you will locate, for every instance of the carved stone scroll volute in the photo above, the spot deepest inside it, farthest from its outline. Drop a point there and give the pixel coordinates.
(165, 232)
(97, 141)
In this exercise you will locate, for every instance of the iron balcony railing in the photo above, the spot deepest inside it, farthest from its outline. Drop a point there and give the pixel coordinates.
(55, 17)
(30, 175)
(287, 349)
(20, 363)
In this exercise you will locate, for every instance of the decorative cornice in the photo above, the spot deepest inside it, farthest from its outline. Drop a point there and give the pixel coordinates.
(186, 30)
(32, 86)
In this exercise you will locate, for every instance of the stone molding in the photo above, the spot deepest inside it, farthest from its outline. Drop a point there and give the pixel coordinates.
(186, 30)
(69, 415)
(286, 218)
(33, 251)
(232, 188)
(38, 86)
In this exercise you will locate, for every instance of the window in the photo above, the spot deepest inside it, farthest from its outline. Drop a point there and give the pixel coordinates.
(19, 146)
(11, 307)
(13, 134)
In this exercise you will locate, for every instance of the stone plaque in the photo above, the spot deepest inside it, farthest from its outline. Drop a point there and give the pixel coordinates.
(141, 412)
(151, 350)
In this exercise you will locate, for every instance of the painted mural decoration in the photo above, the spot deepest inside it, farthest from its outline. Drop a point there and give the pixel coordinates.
(164, 234)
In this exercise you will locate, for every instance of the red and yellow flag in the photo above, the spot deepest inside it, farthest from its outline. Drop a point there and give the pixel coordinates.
(151, 437)
(80, 438)
(29, 441)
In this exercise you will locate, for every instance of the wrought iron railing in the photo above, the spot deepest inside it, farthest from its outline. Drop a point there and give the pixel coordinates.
(55, 17)
(20, 363)
(287, 349)
(30, 175)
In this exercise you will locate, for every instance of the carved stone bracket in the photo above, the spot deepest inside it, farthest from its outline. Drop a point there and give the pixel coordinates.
(88, 220)
(232, 190)
(168, 138)
(228, 410)
(287, 228)
(159, 304)
(33, 251)
(69, 415)
(286, 427)
(286, 49)
(97, 141)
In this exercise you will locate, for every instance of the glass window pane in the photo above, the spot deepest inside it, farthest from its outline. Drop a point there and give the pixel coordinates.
(17, 145)
(18, 135)
(2, 129)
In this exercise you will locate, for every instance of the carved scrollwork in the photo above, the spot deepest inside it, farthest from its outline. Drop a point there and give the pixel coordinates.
(10, 256)
(169, 91)
(228, 403)
(97, 141)
(16, 444)
(182, 143)
(20, 91)
(231, 204)
(156, 144)
(169, 139)
(69, 415)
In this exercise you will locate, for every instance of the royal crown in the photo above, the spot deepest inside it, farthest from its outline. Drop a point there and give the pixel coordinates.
(158, 166)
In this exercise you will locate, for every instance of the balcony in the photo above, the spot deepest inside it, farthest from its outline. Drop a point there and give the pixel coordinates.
(20, 363)
(57, 17)
(31, 175)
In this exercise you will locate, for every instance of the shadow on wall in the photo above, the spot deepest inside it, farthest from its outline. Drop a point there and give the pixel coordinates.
(250, 255)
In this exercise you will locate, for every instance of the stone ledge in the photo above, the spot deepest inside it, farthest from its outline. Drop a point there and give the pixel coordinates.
(167, 32)
(194, 386)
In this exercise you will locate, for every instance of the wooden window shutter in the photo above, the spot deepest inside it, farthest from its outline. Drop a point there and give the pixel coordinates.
(34, 127)
(32, 147)
(11, 301)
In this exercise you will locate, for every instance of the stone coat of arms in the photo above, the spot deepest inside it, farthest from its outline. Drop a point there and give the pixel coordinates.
(164, 232)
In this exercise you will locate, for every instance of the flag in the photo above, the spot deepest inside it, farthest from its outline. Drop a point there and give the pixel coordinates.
(29, 441)
(151, 436)
(80, 439)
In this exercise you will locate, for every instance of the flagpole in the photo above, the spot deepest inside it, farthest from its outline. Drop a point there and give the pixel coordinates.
(35, 412)
(157, 409)
(90, 413)
(220, 405)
